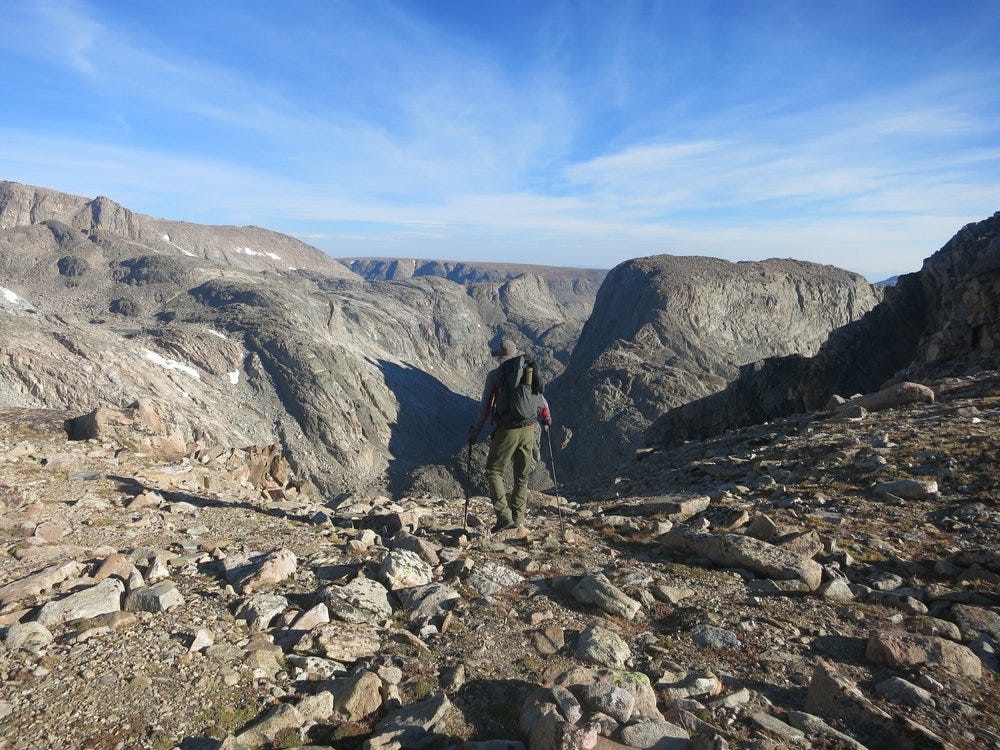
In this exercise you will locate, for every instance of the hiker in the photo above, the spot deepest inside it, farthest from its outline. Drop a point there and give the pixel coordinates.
(513, 400)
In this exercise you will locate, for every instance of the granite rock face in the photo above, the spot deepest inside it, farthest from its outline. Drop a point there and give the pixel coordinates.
(666, 330)
(253, 338)
(945, 315)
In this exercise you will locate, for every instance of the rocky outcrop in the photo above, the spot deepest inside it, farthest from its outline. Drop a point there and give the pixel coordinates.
(574, 288)
(948, 312)
(104, 221)
(358, 382)
(666, 330)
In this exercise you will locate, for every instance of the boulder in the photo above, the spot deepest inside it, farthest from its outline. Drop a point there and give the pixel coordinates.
(402, 569)
(356, 696)
(738, 551)
(96, 600)
(27, 636)
(600, 592)
(490, 578)
(601, 646)
(34, 584)
(360, 601)
(901, 649)
(900, 394)
(909, 489)
(157, 598)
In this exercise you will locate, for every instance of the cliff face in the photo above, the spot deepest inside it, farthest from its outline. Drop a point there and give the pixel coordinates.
(251, 248)
(946, 315)
(961, 288)
(358, 381)
(666, 330)
(573, 288)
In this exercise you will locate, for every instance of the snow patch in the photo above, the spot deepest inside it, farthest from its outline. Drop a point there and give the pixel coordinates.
(12, 298)
(219, 334)
(250, 251)
(234, 377)
(170, 364)
(292, 268)
(166, 238)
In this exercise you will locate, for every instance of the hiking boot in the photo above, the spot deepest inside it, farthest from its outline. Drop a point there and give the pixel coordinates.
(518, 521)
(502, 526)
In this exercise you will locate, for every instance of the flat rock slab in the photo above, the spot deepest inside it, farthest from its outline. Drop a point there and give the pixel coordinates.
(738, 551)
(901, 649)
(674, 507)
(101, 599)
(347, 642)
(894, 396)
(909, 489)
(491, 578)
(33, 585)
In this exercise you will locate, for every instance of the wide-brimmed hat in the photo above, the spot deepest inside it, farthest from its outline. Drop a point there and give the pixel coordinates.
(506, 350)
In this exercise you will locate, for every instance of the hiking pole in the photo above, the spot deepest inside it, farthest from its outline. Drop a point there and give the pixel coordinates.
(552, 462)
(468, 488)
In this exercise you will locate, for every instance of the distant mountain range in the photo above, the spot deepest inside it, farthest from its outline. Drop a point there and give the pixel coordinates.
(367, 371)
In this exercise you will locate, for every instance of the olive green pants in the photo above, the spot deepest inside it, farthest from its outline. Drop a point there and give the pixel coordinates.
(515, 446)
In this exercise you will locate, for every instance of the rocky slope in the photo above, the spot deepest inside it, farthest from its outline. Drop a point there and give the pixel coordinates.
(573, 288)
(945, 316)
(359, 381)
(666, 330)
(250, 248)
(542, 308)
(814, 582)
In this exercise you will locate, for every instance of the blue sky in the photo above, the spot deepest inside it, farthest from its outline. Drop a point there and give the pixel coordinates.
(861, 134)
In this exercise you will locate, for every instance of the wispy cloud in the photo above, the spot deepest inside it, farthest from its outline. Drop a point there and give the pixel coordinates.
(555, 152)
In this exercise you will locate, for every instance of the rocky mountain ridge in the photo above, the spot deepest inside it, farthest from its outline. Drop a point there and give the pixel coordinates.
(250, 248)
(669, 329)
(945, 317)
(574, 288)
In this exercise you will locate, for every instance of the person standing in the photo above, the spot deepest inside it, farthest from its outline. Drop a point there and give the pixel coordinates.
(512, 398)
